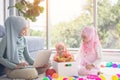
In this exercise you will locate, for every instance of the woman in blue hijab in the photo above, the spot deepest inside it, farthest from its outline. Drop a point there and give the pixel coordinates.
(13, 50)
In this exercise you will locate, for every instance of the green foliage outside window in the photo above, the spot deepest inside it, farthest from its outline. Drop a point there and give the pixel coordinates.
(108, 26)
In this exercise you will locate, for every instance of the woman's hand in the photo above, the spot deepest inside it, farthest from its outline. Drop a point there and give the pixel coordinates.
(89, 67)
(21, 65)
(24, 63)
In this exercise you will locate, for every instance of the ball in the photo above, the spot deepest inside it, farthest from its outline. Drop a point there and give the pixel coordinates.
(50, 72)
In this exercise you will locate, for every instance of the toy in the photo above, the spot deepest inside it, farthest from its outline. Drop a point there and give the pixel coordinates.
(114, 65)
(114, 77)
(65, 79)
(62, 68)
(102, 66)
(118, 65)
(60, 78)
(61, 59)
(50, 78)
(71, 78)
(102, 77)
(76, 76)
(109, 64)
(80, 78)
(46, 78)
(68, 64)
(98, 78)
(55, 75)
(118, 75)
(92, 76)
(50, 72)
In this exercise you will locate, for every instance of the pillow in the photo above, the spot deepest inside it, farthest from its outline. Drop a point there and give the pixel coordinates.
(2, 31)
(29, 74)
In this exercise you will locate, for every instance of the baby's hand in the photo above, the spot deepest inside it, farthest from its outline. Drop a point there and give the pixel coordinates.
(61, 59)
(70, 58)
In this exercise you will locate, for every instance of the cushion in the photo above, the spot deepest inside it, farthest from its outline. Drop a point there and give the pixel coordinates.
(2, 31)
(26, 73)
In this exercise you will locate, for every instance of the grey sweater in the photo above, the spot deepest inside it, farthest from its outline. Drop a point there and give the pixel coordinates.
(22, 51)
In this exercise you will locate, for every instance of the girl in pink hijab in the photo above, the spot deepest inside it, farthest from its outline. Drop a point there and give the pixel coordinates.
(62, 54)
(90, 52)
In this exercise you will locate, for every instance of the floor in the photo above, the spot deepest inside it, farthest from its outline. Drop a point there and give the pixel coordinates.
(108, 72)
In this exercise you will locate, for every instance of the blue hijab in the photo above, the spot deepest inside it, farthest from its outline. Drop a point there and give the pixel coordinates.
(13, 25)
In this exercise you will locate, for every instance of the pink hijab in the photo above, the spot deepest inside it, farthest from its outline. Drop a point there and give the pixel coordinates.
(92, 35)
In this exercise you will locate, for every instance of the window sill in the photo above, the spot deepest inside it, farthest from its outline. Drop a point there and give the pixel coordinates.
(103, 50)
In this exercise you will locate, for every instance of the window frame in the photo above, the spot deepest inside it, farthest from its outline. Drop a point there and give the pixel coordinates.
(95, 18)
(48, 23)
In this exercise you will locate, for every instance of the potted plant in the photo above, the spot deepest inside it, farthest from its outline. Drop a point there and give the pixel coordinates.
(28, 10)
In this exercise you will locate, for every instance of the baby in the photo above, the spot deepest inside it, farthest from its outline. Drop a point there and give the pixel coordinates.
(62, 54)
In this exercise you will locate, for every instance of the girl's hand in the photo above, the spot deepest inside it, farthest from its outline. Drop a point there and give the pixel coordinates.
(89, 67)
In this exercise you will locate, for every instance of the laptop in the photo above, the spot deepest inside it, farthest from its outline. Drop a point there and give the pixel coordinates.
(42, 57)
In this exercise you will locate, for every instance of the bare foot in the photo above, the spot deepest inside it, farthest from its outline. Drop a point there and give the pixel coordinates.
(99, 73)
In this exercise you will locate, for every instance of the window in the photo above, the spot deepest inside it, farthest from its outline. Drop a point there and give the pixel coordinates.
(2, 12)
(67, 17)
(109, 23)
(38, 28)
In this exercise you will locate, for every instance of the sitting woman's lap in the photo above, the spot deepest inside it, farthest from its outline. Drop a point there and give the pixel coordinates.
(25, 73)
